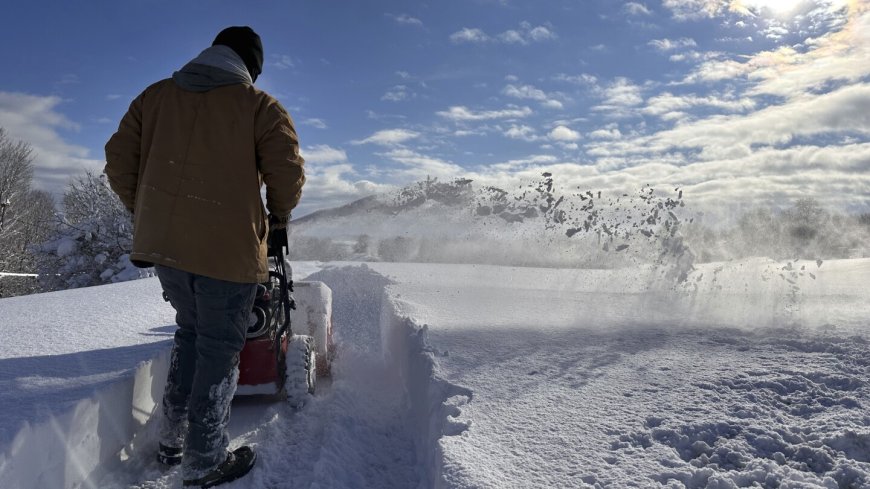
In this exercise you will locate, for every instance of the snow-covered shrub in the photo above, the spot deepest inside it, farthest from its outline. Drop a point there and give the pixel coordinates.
(91, 245)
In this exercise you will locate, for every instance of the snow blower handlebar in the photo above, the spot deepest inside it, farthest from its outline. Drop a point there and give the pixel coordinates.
(278, 246)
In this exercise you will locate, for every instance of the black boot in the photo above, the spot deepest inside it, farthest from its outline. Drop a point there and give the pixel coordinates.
(237, 464)
(168, 455)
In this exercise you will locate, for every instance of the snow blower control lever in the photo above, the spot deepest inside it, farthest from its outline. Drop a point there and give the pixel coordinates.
(278, 246)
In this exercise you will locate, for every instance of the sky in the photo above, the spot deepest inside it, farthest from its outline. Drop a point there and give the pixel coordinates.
(740, 103)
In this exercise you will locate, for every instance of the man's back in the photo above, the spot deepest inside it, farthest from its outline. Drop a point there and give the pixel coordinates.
(202, 158)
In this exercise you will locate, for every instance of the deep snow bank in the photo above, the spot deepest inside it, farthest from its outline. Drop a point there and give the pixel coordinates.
(80, 373)
(81, 376)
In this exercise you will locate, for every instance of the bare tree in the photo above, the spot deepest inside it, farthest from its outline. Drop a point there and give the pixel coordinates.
(16, 172)
(26, 217)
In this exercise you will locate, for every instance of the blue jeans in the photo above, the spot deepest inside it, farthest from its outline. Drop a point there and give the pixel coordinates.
(212, 317)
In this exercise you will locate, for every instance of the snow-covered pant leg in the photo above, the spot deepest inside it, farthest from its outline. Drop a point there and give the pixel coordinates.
(178, 286)
(223, 310)
(213, 318)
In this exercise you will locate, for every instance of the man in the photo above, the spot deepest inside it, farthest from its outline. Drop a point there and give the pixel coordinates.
(189, 160)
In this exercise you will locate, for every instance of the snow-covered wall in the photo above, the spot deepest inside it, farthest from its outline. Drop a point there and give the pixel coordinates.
(80, 371)
(364, 296)
(434, 403)
(71, 447)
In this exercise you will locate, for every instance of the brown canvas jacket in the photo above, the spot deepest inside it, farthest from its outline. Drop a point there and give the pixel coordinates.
(191, 165)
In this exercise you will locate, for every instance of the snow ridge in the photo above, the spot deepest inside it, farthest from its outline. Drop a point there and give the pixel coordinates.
(435, 410)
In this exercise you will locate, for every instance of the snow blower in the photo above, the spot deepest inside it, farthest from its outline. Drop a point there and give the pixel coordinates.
(289, 343)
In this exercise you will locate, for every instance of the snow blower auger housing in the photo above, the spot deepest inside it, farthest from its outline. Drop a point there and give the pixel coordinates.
(289, 340)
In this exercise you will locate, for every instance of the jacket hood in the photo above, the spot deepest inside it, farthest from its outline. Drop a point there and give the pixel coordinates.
(215, 67)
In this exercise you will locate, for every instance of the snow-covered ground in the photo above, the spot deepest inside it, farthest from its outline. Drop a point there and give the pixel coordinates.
(461, 376)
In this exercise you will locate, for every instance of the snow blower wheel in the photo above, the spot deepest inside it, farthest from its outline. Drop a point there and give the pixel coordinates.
(301, 370)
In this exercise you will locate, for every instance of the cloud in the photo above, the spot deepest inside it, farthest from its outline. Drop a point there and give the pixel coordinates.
(314, 122)
(533, 161)
(35, 119)
(521, 132)
(694, 9)
(462, 113)
(467, 35)
(532, 93)
(846, 110)
(540, 33)
(672, 44)
(512, 37)
(420, 166)
(69, 79)
(524, 35)
(581, 79)
(716, 70)
(666, 103)
(685, 10)
(696, 56)
(281, 61)
(389, 137)
(839, 57)
(397, 94)
(333, 185)
(620, 96)
(634, 8)
(835, 175)
(835, 58)
(405, 19)
(553, 104)
(323, 153)
(610, 132)
(565, 134)
(842, 112)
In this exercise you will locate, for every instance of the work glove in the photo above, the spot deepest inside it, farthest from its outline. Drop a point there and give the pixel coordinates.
(276, 222)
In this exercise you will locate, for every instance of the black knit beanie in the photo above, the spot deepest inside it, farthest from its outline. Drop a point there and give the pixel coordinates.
(246, 43)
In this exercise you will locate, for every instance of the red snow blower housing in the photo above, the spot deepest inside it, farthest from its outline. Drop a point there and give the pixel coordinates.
(276, 360)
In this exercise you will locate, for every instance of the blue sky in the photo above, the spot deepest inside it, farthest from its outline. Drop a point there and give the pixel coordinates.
(740, 102)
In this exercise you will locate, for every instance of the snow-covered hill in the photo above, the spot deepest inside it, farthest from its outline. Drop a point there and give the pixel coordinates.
(462, 376)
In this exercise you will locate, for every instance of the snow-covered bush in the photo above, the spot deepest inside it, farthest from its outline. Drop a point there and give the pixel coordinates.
(91, 245)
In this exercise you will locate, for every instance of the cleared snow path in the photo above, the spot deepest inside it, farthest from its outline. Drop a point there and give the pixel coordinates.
(353, 434)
